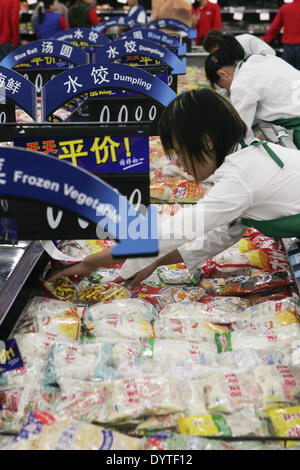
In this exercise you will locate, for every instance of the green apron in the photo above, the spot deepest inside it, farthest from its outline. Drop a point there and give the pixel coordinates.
(291, 123)
(283, 227)
(288, 123)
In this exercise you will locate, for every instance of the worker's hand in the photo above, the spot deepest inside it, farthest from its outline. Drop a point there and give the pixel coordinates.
(139, 276)
(80, 270)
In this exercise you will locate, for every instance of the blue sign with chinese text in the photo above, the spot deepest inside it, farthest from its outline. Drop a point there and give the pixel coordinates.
(158, 36)
(116, 21)
(96, 154)
(87, 78)
(81, 36)
(17, 89)
(170, 23)
(139, 47)
(50, 48)
(55, 182)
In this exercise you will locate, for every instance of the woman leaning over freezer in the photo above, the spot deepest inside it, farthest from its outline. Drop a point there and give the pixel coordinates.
(256, 186)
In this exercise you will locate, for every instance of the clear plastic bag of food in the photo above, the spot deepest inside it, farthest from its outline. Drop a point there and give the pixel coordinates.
(282, 312)
(84, 362)
(166, 275)
(173, 350)
(139, 307)
(44, 432)
(280, 384)
(241, 423)
(252, 282)
(231, 392)
(121, 326)
(259, 337)
(80, 399)
(135, 397)
(159, 296)
(200, 311)
(30, 373)
(187, 328)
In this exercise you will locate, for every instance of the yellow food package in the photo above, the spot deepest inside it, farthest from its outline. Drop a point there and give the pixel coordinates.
(203, 425)
(285, 422)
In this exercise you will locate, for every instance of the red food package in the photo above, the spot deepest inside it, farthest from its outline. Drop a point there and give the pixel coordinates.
(187, 191)
(159, 296)
(249, 283)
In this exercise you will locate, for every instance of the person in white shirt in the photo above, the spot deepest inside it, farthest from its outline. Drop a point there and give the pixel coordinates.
(250, 43)
(255, 186)
(261, 87)
(136, 11)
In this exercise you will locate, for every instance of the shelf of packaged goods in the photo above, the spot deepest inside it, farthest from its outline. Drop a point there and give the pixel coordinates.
(292, 247)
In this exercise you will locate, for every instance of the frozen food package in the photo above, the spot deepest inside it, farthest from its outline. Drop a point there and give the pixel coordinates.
(227, 303)
(161, 187)
(280, 384)
(175, 350)
(283, 312)
(121, 326)
(135, 397)
(200, 311)
(80, 399)
(159, 296)
(44, 432)
(30, 373)
(17, 403)
(164, 422)
(252, 282)
(139, 307)
(241, 423)
(261, 337)
(187, 192)
(167, 441)
(168, 275)
(285, 422)
(85, 362)
(103, 292)
(187, 328)
(231, 392)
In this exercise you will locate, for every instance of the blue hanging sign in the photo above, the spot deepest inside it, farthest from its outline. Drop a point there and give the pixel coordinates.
(48, 180)
(170, 23)
(84, 36)
(17, 89)
(87, 78)
(116, 21)
(154, 35)
(139, 47)
(50, 48)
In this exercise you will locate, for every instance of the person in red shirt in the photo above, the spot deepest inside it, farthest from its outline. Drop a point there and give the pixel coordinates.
(207, 16)
(288, 17)
(9, 26)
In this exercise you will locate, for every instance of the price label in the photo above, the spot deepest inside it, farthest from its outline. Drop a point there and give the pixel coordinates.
(238, 14)
(264, 16)
(10, 357)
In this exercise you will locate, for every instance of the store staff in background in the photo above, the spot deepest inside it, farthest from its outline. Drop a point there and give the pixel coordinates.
(48, 21)
(62, 9)
(261, 87)
(256, 186)
(287, 17)
(206, 16)
(9, 26)
(250, 43)
(83, 14)
(136, 11)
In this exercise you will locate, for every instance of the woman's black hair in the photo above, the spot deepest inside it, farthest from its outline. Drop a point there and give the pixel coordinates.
(44, 5)
(228, 53)
(212, 39)
(196, 119)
